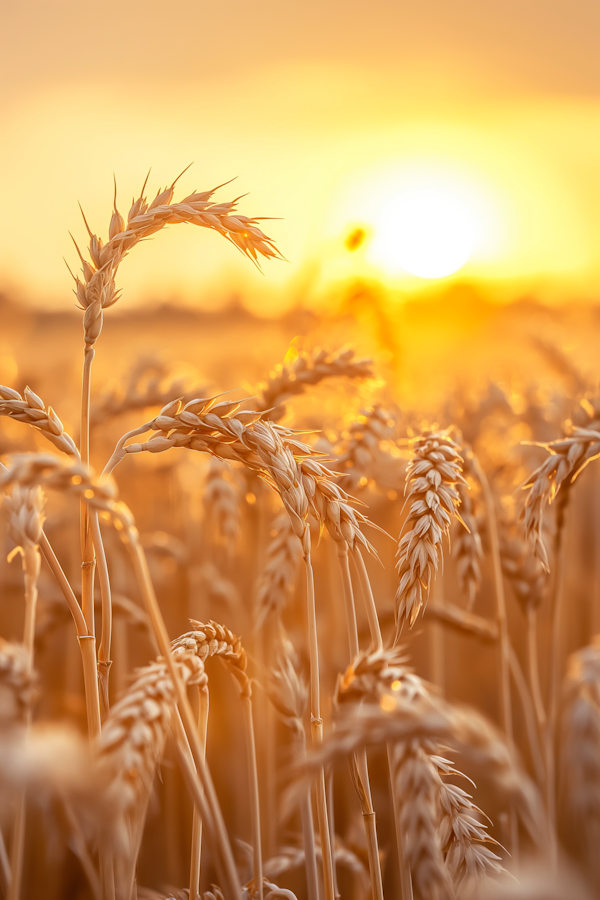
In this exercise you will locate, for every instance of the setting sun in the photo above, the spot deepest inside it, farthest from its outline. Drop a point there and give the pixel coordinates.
(426, 230)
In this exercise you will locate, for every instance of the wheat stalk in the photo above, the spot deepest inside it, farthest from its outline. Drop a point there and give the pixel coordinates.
(505, 647)
(291, 467)
(307, 370)
(96, 289)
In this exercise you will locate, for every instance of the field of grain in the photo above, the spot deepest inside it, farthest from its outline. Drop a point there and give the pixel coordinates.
(299, 607)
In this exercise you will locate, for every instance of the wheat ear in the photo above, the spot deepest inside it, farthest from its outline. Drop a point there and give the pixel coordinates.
(31, 409)
(467, 547)
(568, 457)
(398, 718)
(306, 370)
(363, 445)
(432, 477)
(222, 507)
(375, 677)
(277, 580)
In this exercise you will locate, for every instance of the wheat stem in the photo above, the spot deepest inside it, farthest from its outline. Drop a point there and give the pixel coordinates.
(81, 850)
(555, 659)
(87, 550)
(505, 648)
(119, 452)
(104, 660)
(361, 762)
(64, 585)
(533, 666)
(87, 645)
(254, 794)
(316, 723)
(406, 892)
(308, 832)
(196, 852)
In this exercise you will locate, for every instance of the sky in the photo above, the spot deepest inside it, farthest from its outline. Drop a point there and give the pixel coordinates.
(324, 112)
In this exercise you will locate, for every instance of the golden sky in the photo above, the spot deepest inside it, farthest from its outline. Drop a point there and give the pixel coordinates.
(322, 110)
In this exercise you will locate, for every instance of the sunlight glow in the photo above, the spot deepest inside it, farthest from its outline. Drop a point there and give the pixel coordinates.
(425, 229)
(420, 219)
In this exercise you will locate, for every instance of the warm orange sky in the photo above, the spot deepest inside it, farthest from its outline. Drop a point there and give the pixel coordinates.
(320, 109)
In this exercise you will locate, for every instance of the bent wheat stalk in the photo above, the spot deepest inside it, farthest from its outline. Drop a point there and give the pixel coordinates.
(96, 291)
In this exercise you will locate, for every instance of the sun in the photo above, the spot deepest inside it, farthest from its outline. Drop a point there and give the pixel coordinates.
(418, 220)
(427, 229)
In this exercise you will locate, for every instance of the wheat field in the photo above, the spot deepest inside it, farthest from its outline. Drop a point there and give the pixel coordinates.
(348, 647)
